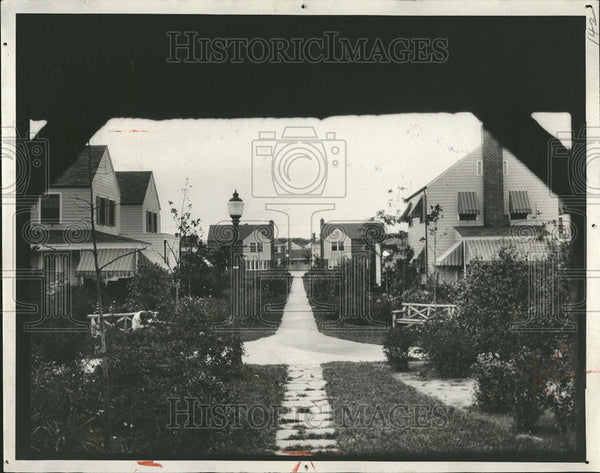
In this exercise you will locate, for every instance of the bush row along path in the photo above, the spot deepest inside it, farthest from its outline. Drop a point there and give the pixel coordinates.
(299, 342)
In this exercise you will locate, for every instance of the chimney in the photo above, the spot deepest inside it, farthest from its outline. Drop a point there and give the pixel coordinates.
(493, 181)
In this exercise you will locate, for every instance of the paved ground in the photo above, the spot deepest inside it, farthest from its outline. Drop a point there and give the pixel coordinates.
(299, 342)
(306, 426)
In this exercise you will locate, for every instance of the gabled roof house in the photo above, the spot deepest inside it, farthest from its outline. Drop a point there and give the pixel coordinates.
(353, 240)
(485, 198)
(62, 247)
(255, 242)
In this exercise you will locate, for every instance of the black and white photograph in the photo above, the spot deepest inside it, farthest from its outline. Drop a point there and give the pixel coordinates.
(300, 236)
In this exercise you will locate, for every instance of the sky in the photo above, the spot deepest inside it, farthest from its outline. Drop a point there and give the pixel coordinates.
(386, 156)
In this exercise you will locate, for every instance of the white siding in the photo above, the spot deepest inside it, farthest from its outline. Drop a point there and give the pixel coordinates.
(461, 177)
(520, 178)
(105, 185)
(132, 219)
(151, 202)
(257, 237)
(334, 257)
(75, 202)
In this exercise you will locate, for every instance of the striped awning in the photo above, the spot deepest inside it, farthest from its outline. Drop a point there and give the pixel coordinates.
(467, 203)
(154, 257)
(453, 256)
(404, 216)
(518, 202)
(417, 210)
(488, 249)
(114, 263)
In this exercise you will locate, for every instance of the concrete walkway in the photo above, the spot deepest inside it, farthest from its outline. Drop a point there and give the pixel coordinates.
(299, 342)
(306, 426)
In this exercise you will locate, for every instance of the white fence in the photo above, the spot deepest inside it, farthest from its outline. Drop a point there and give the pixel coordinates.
(126, 322)
(413, 313)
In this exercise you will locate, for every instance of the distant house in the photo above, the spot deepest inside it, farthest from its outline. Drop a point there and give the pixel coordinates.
(484, 197)
(359, 241)
(140, 217)
(64, 250)
(293, 253)
(256, 243)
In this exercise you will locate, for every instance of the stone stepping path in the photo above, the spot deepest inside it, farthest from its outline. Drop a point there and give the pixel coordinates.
(306, 424)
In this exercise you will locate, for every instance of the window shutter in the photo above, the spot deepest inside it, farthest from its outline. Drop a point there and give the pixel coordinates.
(100, 211)
(111, 213)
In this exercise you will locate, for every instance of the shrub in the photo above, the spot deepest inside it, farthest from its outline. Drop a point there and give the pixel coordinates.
(152, 288)
(561, 386)
(518, 385)
(396, 344)
(449, 346)
(184, 358)
(64, 408)
(495, 384)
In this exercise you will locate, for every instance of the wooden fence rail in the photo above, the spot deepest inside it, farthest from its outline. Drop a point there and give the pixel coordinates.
(413, 313)
(126, 322)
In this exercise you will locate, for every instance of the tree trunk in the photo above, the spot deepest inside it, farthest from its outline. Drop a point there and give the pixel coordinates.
(103, 351)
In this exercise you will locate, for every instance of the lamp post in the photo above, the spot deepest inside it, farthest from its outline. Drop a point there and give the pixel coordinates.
(235, 206)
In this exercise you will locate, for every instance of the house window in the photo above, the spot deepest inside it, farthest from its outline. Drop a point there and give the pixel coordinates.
(151, 222)
(519, 206)
(105, 211)
(337, 246)
(505, 168)
(480, 168)
(256, 247)
(50, 209)
(410, 222)
(468, 206)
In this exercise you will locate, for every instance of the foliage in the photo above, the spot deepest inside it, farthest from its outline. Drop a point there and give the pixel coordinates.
(63, 344)
(182, 358)
(517, 374)
(152, 288)
(447, 343)
(396, 344)
(561, 386)
(64, 408)
(446, 293)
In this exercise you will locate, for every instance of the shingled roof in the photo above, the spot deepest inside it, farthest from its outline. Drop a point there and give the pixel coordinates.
(222, 234)
(372, 231)
(77, 175)
(133, 186)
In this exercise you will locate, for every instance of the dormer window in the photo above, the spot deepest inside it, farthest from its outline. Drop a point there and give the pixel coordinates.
(50, 209)
(151, 222)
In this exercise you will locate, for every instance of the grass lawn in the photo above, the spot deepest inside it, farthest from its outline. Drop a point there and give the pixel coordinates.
(375, 415)
(258, 386)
